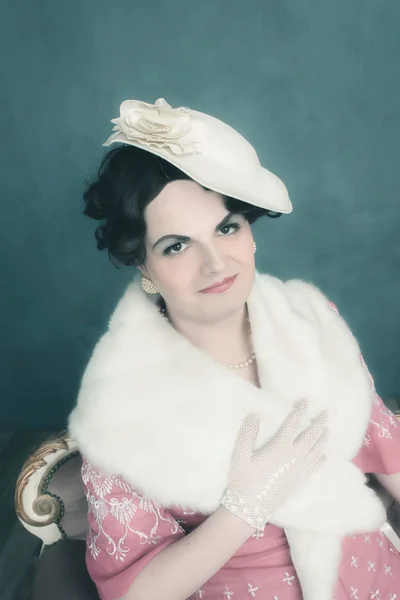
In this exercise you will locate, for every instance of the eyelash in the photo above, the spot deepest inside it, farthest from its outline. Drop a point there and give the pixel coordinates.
(168, 251)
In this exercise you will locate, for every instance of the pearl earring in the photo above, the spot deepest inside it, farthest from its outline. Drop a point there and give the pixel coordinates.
(255, 247)
(148, 286)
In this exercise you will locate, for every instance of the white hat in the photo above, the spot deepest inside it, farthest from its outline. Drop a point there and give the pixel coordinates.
(205, 148)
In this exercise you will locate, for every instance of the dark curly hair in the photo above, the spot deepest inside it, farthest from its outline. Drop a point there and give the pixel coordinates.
(128, 179)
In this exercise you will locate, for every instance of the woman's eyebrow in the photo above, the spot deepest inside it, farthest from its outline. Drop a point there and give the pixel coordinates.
(185, 238)
(175, 236)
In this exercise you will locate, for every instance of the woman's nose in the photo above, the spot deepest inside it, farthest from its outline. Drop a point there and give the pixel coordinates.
(212, 260)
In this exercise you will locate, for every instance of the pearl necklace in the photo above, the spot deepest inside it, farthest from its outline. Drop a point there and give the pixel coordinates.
(241, 365)
(244, 364)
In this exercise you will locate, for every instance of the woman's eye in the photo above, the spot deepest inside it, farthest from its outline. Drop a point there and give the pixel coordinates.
(174, 249)
(229, 229)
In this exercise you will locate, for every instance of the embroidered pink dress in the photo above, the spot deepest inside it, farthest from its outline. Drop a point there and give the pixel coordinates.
(128, 530)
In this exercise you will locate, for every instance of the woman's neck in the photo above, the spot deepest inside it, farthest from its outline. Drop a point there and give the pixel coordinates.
(228, 341)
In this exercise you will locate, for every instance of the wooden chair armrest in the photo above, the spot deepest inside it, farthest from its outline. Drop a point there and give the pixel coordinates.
(40, 511)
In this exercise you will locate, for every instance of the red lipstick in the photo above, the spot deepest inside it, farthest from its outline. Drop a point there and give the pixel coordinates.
(221, 286)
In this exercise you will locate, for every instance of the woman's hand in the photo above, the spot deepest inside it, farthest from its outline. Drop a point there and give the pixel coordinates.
(261, 480)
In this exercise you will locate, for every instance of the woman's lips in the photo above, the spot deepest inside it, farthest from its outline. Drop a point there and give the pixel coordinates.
(218, 288)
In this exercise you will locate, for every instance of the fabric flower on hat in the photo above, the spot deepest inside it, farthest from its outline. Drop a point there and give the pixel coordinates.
(159, 125)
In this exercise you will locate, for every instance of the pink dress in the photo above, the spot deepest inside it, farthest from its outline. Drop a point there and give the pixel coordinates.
(128, 530)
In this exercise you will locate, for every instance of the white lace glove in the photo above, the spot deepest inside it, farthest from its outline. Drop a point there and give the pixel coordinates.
(261, 480)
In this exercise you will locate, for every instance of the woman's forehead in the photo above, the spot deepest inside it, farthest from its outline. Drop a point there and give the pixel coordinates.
(182, 205)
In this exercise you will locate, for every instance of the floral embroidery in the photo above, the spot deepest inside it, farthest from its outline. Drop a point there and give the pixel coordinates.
(367, 440)
(288, 578)
(385, 412)
(383, 430)
(252, 590)
(122, 510)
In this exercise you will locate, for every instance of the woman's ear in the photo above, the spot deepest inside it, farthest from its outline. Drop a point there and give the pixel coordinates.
(143, 271)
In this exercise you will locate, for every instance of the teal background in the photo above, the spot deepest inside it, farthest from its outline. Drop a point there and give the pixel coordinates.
(314, 85)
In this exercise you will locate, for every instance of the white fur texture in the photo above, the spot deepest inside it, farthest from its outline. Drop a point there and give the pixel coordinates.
(158, 411)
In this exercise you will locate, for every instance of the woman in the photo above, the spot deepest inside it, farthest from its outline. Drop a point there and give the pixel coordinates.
(226, 419)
